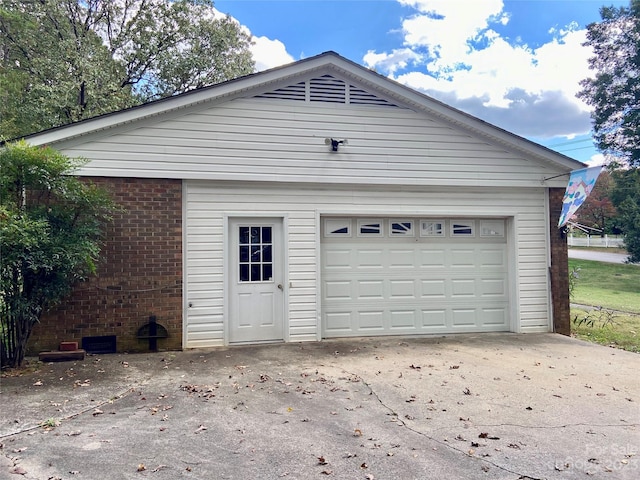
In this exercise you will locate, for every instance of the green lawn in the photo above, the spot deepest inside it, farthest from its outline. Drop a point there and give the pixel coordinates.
(609, 285)
(612, 287)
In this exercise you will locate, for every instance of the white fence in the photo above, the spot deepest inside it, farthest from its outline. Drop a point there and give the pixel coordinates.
(595, 241)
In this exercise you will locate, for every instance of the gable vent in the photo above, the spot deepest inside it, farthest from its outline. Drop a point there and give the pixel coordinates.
(327, 89)
(292, 92)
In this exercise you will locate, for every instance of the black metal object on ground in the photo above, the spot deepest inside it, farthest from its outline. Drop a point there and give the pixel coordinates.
(99, 344)
(152, 331)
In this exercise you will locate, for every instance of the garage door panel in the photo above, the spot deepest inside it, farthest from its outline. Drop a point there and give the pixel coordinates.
(492, 258)
(463, 288)
(370, 290)
(337, 289)
(337, 259)
(432, 258)
(433, 289)
(403, 320)
(402, 289)
(463, 317)
(407, 285)
(404, 258)
(368, 259)
(462, 257)
(434, 319)
(496, 317)
(493, 287)
(339, 322)
(371, 320)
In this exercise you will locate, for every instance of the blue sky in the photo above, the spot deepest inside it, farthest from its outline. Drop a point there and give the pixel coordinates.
(513, 63)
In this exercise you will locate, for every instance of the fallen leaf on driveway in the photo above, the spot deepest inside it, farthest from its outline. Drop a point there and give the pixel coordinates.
(322, 461)
(488, 437)
(200, 428)
(141, 467)
(18, 471)
(97, 411)
(37, 384)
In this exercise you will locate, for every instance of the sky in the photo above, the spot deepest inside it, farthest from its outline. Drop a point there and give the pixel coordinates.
(514, 63)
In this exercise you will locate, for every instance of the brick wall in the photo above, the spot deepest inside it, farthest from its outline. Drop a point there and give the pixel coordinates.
(559, 266)
(141, 274)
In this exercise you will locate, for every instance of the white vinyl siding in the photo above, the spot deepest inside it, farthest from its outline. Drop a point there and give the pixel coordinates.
(209, 203)
(259, 139)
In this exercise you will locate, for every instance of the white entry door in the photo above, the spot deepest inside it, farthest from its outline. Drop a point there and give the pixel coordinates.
(257, 292)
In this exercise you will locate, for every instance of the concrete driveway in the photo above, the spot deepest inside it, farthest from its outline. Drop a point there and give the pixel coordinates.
(491, 406)
(598, 256)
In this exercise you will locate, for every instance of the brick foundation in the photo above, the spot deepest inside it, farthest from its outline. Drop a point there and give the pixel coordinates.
(559, 266)
(141, 274)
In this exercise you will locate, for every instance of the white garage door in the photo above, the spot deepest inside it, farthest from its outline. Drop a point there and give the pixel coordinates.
(399, 276)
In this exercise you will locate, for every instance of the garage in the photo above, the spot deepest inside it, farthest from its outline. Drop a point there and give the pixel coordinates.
(401, 276)
(312, 201)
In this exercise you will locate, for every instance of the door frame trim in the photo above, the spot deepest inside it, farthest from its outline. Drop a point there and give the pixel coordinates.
(227, 257)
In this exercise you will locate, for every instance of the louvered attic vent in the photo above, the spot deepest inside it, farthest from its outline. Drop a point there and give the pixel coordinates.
(327, 89)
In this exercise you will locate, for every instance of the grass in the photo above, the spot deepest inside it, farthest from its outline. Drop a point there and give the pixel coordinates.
(614, 289)
(620, 331)
(610, 285)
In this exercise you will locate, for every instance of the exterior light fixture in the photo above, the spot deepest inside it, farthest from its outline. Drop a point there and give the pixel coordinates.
(334, 142)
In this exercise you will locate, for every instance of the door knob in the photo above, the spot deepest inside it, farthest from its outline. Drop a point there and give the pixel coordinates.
(280, 286)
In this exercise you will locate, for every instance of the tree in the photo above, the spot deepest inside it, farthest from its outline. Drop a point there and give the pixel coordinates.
(64, 61)
(598, 211)
(615, 91)
(615, 95)
(51, 227)
(626, 197)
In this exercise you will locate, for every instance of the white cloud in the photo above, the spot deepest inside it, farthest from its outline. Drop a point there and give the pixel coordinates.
(466, 63)
(597, 159)
(266, 53)
(269, 53)
(445, 27)
(390, 62)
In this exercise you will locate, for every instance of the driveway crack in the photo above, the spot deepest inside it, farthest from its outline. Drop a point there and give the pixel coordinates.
(449, 446)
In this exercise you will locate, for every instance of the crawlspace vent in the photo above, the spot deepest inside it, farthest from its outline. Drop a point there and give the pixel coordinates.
(327, 89)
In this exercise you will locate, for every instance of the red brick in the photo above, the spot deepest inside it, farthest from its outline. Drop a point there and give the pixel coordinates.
(559, 266)
(136, 278)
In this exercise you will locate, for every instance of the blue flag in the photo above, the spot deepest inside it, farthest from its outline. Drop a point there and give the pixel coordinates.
(581, 182)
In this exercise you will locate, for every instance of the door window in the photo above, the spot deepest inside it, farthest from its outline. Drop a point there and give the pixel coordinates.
(255, 253)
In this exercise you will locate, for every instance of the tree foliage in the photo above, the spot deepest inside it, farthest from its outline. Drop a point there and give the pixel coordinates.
(598, 211)
(51, 226)
(64, 61)
(614, 92)
(626, 197)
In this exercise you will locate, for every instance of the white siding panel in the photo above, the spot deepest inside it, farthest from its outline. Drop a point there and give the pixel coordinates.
(207, 204)
(272, 140)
